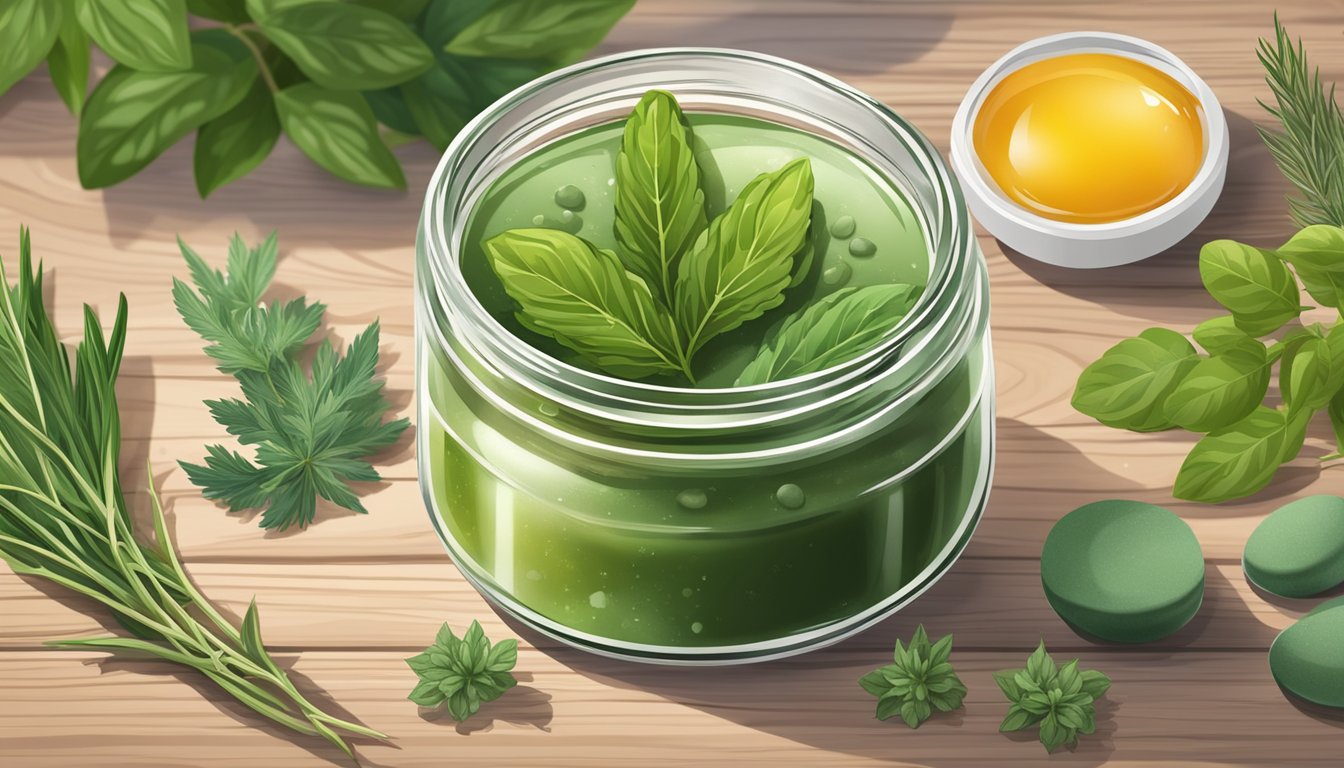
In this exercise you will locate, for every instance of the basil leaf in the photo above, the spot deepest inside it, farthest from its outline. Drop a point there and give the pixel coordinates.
(440, 103)
(390, 108)
(28, 28)
(1128, 385)
(493, 78)
(147, 35)
(1240, 459)
(1219, 334)
(406, 10)
(347, 47)
(1327, 288)
(338, 131)
(740, 267)
(132, 117)
(1255, 287)
(1318, 247)
(836, 328)
(583, 297)
(660, 208)
(231, 145)
(231, 11)
(1309, 374)
(1336, 412)
(68, 61)
(1220, 390)
(533, 29)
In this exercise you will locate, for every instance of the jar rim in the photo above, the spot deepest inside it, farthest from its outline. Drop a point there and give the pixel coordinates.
(949, 249)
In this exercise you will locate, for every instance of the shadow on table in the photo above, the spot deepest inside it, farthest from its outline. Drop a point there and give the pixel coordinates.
(521, 705)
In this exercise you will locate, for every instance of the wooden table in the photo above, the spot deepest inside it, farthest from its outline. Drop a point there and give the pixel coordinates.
(349, 598)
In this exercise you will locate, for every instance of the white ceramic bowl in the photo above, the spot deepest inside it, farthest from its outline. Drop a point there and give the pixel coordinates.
(1107, 244)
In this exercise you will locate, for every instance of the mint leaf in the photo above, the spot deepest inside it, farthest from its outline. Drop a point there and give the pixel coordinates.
(347, 47)
(1059, 700)
(1219, 334)
(535, 29)
(582, 296)
(440, 103)
(145, 35)
(660, 208)
(739, 269)
(1240, 459)
(465, 673)
(231, 11)
(1220, 390)
(28, 28)
(836, 328)
(1256, 287)
(390, 108)
(231, 145)
(68, 61)
(337, 130)
(920, 680)
(406, 10)
(1128, 386)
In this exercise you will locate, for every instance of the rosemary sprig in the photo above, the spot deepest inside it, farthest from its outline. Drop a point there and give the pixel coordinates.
(1309, 150)
(63, 515)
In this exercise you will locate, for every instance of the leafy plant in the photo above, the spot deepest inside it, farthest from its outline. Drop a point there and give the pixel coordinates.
(326, 73)
(466, 672)
(1059, 700)
(1158, 380)
(312, 433)
(1309, 149)
(64, 517)
(677, 279)
(921, 680)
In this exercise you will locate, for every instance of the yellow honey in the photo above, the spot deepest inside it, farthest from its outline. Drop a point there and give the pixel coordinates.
(1089, 137)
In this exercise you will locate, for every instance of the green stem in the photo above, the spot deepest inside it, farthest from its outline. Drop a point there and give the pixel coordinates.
(240, 32)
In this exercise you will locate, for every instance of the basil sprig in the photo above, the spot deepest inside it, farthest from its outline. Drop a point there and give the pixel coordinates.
(1158, 380)
(325, 73)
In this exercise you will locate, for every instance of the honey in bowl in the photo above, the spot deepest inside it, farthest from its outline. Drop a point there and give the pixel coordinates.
(1089, 138)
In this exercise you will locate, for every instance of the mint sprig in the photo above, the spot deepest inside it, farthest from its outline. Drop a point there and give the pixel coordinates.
(1058, 700)
(464, 672)
(920, 681)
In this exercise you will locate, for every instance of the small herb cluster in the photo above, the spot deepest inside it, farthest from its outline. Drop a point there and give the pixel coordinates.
(1057, 699)
(464, 672)
(921, 680)
(679, 280)
(312, 433)
(323, 72)
(1158, 380)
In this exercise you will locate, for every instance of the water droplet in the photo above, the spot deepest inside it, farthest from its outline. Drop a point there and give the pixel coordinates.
(571, 222)
(549, 409)
(837, 275)
(611, 182)
(843, 227)
(790, 496)
(862, 247)
(687, 592)
(538, 220)
(571, 197)
(692, 498)
(697, 627)
(534, 576)
(598, 599)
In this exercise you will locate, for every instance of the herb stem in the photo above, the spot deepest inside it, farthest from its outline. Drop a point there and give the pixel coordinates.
(240, 32)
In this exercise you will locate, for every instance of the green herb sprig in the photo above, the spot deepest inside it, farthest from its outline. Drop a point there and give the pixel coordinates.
(921, 680)
(324, 73)
(64, 517)
(678, 280)
(312, 433)
(465, 673)
(1059, 700)
(1158, 380)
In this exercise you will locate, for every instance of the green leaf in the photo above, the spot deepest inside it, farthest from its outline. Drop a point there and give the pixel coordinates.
(1219, 334)
(233, 144)
(1016, 719)
(427, 694)
(145, 35)
(390, 108)
(739, 269)
(1128, 385)
(1318, 247)
(1309, 375)
(250, 633)
(68, 61)
(348, 47)
(1040, 666)
(28, 29)
(836, 328)
(439, 102)
(660, 208)
(503, 656)
(132, 117)
(1052, 733)
(1240, 459)
(1004, 679)
(531, 29)
(1095, 684)
(338, 131)
(1256, 287)
(582, 296)
(875, 682)
(1220, 390)
(231, 11)
(406, 10)
(1336, 412)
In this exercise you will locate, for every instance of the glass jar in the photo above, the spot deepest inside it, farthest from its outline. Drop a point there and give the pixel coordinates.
(683, 525)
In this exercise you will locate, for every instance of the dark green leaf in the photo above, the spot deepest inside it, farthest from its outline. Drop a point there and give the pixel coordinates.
(832, 330)
(439, 102)
(529, 29)
(1016, 719)
(1219, 334)
(145, 35)
(231, 145)
(68, 61)
(132, 117)
(740, 268)
(1336, 411)
(1256, 287)
(1095, 684)
(406, 10)
(231, 11)
(1052, 733)
(491, 79)
(338, 131)
(1220, 390)
(583, 297)
(889, 707)
(1240, 459)
(443, 20)
(875, 682)
(390, 108)
(1128, 386)
(348, 47)
(28, 29)
(660, 208)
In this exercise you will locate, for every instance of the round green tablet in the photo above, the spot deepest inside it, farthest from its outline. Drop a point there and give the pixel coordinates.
(1298, 551)
(1307, 659)
(1123, 571)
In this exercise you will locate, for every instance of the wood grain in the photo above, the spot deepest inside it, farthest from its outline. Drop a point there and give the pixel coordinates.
(349, 598)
